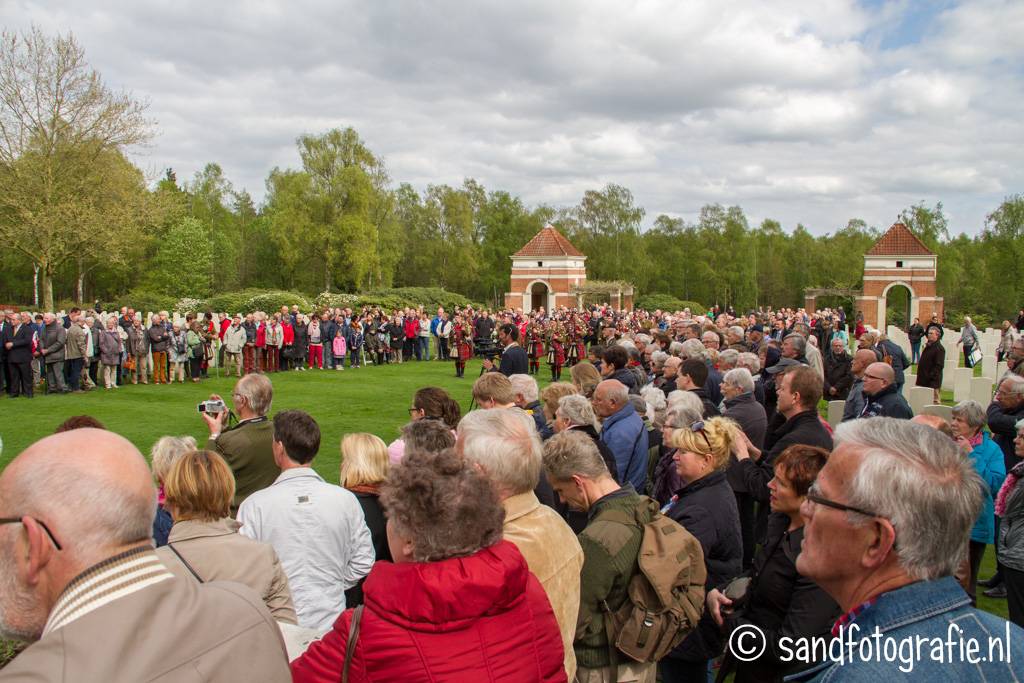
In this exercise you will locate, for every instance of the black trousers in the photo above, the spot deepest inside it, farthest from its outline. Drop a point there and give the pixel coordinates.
(976, 553)
(20, 378)
(1014, 582)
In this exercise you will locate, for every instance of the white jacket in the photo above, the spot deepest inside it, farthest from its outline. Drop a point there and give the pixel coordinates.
(319, 532)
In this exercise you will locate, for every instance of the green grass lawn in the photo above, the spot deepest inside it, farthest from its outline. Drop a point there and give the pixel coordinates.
(369, 399)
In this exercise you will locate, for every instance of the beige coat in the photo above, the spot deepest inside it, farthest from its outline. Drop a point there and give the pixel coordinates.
(174, 631)
(217, 552)
(554, 556)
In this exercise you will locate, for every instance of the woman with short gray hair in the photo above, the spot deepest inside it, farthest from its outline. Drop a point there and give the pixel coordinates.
(165, 452)
(986, 456)
(575, 412)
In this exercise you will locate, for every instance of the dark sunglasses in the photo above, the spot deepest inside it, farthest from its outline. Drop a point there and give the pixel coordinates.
(698, 427)
(17, 520)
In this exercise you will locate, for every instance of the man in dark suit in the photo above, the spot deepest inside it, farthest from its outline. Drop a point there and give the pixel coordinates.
(17, 343)
(513, 357)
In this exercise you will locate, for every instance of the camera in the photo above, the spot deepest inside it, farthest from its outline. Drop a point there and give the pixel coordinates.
(211, 407)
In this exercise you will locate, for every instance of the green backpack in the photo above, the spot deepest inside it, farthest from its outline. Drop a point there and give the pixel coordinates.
(665, 599)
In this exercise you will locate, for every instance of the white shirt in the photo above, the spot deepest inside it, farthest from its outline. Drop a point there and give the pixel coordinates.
(319, 532)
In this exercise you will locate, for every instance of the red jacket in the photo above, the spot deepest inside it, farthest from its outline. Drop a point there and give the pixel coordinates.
(287, 334)
(224, 325)
(483, 618)
(411, 328)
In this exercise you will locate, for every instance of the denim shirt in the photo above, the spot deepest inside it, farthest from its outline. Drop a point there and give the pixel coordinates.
(929, 611)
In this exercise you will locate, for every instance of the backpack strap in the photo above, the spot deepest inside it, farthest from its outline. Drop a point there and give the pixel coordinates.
(185, 562)
(353, 638)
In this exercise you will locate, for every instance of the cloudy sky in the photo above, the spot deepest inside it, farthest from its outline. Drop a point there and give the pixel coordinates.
(812, 112)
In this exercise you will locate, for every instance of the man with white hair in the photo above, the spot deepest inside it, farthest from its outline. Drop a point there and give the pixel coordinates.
(79, 575)
(52, 340)
(528, 398)
(504, 444)
(623, 431)
(669, 374)
(887, 522)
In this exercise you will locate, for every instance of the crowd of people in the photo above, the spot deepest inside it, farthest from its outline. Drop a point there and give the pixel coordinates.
(624, 523)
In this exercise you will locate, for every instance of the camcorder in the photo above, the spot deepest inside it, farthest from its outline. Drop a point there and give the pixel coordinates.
(212, 407)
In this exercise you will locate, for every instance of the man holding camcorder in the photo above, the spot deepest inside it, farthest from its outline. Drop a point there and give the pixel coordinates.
(247, 446)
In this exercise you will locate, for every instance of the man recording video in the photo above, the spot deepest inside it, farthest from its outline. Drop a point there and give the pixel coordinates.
(513, 356)
(248, 445)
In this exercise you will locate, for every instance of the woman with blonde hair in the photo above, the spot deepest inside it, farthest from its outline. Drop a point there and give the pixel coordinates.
(205, 544)
(364, 467)
(585, 378)
(706, 507)
(551, 395)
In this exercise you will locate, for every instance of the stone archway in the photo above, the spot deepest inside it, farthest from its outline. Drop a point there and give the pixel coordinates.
(539, 295)
(909, 308)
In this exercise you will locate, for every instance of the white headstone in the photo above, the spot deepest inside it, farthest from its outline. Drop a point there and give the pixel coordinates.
(948, 374)
(911, 380)
(962, 383)
(919, 398)
(835, 412)
(981, 390)
(1000, 369)
(945, 412)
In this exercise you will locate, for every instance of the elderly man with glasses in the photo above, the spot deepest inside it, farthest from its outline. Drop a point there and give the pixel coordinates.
(888, 520)
(78, 574)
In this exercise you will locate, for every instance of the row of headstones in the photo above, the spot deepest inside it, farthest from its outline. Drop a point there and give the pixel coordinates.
(961, 381)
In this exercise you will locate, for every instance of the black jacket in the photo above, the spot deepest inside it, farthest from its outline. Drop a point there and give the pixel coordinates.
(627, 377)
(838, 374)
(899, 359)
(373, 512)
(1002, 423)
(803, 428)
(710, 407)
(915, 333)
(707, 509)
(930, 365)
(781, 603)
(21, 349)
(888, 402)
(514, 361)
(750, 416)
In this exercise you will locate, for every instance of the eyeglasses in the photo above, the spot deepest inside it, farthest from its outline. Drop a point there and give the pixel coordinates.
(17, 520)
(814, 495)
(698, 427)
(415, 410)
(867, 376)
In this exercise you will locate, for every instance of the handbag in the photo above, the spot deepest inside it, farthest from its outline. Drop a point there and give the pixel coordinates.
(975, 356)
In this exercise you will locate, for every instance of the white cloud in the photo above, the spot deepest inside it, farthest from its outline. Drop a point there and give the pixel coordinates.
(790, 109)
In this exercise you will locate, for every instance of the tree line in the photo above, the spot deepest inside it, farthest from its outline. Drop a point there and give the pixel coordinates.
(78, 221)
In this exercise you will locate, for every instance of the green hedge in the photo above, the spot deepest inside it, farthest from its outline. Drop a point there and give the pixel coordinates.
(250, 300)
(667, 302)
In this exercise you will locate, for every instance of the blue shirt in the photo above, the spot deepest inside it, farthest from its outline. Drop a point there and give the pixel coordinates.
(625, 434)
(933, 613)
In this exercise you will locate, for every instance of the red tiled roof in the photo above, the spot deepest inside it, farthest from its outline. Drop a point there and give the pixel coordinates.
(899, 241)
(548, 242)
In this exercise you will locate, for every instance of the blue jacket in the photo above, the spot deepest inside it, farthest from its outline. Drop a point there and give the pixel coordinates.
(987, 458)
(931, 611)
(625, 434)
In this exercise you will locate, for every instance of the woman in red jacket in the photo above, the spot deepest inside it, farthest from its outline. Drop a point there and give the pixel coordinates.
(457, 604)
